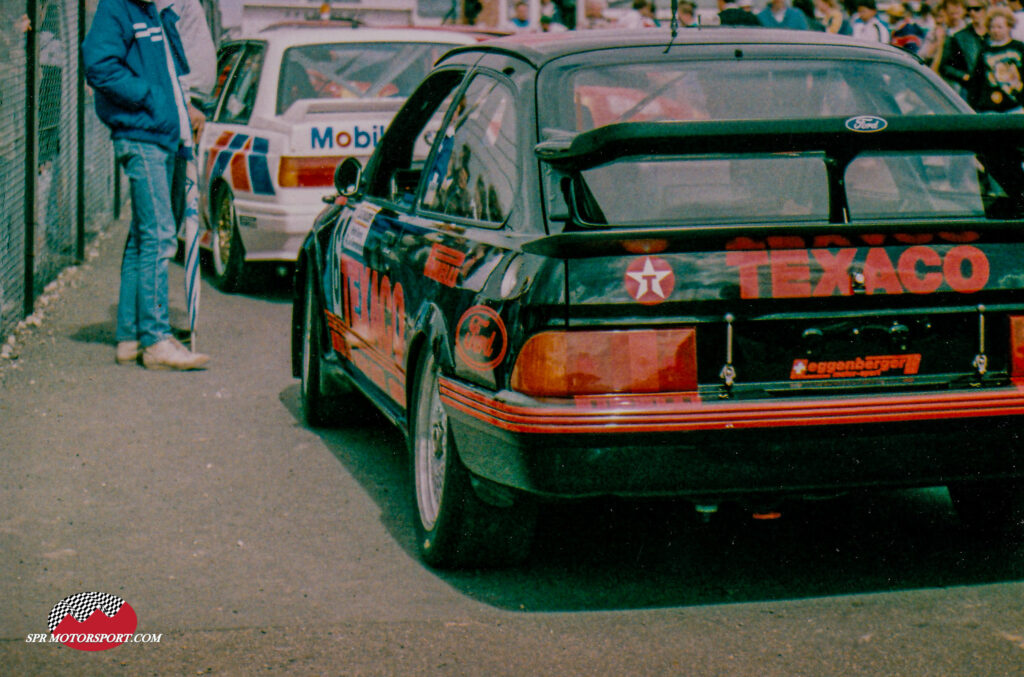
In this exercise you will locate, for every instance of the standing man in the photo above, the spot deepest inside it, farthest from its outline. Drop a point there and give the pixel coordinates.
(867, 25)
(731, 14)
(961, 51)
(132, 61)
(778, 14)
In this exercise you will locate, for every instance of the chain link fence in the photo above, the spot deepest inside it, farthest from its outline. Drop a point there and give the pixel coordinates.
(57, 178)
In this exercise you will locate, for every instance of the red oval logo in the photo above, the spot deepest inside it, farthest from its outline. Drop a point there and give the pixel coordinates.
(92, 621)
(480, 338)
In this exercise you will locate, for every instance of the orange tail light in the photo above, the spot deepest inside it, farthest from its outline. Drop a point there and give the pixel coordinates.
(307, 172)
(1017, 346)
(563, 363)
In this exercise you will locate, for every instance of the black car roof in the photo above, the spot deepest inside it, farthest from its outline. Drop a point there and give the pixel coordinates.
(539, 48)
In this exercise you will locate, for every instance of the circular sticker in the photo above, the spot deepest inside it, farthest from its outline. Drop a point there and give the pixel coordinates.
(650, 280)
(480, 338)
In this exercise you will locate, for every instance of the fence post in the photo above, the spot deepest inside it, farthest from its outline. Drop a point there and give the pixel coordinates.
(31, 143)
(80, 121)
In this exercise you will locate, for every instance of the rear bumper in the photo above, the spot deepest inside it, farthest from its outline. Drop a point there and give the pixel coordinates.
(680, 445)
(275, 232)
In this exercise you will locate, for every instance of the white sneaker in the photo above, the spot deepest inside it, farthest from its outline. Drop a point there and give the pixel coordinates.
(170, 354)
(128, 352)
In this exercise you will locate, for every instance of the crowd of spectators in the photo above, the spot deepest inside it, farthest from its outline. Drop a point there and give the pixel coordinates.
(977, 46)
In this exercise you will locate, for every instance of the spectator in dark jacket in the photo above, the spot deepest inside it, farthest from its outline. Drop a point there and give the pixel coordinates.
(133, 60)
(731, 14)
(961, 51)
(996, 85)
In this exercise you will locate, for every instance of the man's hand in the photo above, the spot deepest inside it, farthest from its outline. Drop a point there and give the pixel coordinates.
(197, 119)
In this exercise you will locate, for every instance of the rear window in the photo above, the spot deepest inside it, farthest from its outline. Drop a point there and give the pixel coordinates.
(735, 89)
(354, 70)
(789, 187)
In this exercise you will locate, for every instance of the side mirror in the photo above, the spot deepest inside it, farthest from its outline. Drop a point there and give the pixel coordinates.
(347, 175)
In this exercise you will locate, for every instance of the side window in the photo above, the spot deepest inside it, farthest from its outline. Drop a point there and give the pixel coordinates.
(473, 173)
(227, 58)
(240, 94)
(396, 167)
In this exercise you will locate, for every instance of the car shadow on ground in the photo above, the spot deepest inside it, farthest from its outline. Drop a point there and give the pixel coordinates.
(606, 554)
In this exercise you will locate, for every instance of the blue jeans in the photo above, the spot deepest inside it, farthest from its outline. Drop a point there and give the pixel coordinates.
(142, 307)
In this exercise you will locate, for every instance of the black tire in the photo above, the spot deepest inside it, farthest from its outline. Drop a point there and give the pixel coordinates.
(316, 405)
(991, 508)
(454, 528)
(228, 252)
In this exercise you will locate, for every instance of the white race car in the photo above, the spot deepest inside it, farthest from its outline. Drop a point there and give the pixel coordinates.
(290, 102)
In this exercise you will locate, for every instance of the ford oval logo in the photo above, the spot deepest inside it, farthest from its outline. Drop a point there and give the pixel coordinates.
(866, 123)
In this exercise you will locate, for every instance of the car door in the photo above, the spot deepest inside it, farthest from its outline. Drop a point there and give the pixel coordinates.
(226, 142)
(228, 57)
(367, 260)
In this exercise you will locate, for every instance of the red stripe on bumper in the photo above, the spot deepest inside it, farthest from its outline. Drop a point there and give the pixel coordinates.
(678, 412)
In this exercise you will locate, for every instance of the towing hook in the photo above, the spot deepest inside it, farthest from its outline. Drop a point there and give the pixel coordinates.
(728, 372)
(705, 511)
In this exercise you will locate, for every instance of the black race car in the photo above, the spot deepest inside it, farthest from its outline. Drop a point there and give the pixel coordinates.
(725, 266)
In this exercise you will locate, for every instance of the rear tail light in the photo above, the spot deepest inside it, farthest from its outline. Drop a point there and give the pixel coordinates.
(1017, 346)
(307, 172)
(562, 364)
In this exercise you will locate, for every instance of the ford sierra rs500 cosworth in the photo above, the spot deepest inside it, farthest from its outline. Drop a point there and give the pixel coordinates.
(730, 266)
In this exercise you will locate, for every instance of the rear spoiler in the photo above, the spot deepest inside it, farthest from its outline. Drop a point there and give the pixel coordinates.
(996, 139)
(581, 244)
(302, 108)
(836, 137)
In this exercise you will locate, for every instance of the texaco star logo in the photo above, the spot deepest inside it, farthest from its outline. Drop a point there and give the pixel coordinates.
(650, 280)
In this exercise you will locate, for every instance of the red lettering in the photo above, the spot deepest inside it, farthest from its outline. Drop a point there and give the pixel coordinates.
(826, 241)
(875, 240)
(953, 267)
(835, 277)
(383, 324)
(749, 264)
(373, 308)
(364, 299)
(791, 274)
(743, 243)
(915, 238)
(786, 242)
(908, 267)
(398, 322)
(965, 236)
(376, 324)
(879, 275)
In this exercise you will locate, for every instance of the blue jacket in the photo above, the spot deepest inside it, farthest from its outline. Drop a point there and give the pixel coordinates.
(126, 66)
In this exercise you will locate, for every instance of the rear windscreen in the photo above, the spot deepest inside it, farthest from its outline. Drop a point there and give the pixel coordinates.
(583, 97)
(784, 187)
(354, 70)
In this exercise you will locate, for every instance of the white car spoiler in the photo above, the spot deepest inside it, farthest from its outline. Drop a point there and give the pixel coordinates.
(303, 108)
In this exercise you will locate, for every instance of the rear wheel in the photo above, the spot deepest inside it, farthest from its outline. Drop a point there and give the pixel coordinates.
(454, 528)
(228, 251)
(990, 508)
(315, 403)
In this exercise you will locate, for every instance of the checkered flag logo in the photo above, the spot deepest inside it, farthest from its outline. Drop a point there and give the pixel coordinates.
(82, 605)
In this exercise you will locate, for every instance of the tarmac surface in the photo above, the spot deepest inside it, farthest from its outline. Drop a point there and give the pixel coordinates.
(254, 544)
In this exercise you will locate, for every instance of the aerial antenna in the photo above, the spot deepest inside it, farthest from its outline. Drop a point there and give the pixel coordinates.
(674, 24)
